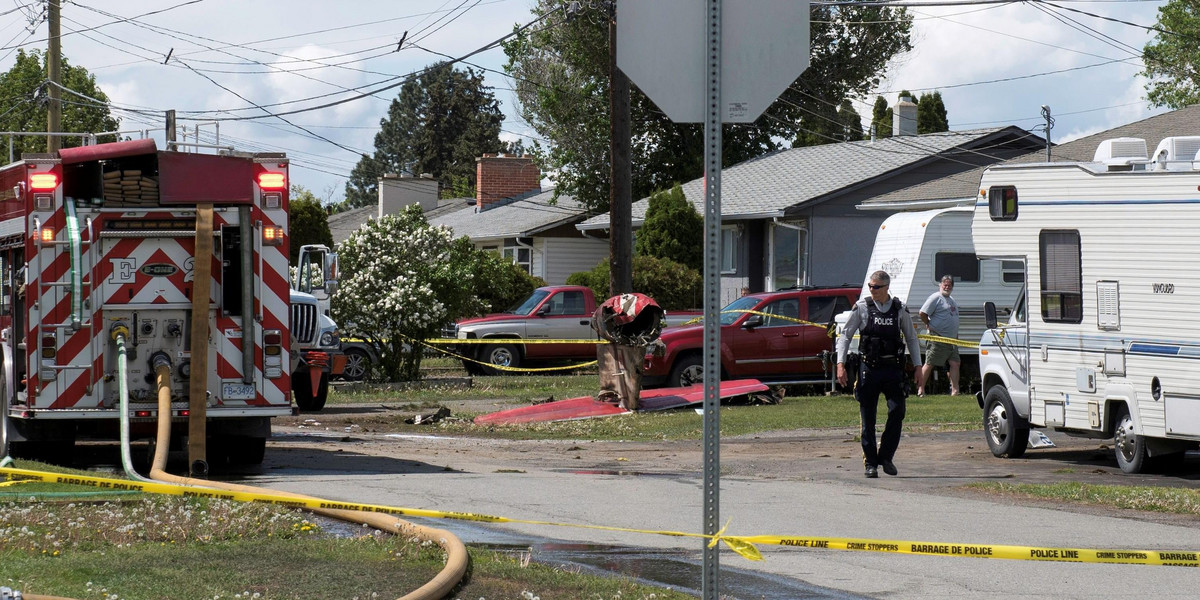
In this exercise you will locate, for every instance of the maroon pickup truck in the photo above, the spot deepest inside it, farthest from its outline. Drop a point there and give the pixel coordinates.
(760, 346)
(553, 312)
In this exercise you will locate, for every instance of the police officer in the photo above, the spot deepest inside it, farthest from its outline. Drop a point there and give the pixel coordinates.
(880, 322)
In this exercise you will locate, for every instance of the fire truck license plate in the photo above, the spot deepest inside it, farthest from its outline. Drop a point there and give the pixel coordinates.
(237, 391)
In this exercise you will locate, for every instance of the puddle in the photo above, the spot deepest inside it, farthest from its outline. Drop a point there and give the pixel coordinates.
(624, 473)
(673, 568)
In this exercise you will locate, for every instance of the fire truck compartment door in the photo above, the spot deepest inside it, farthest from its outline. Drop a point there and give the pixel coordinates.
(185, 178)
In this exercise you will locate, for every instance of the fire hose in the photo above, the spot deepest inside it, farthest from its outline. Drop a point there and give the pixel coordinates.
(457, 558)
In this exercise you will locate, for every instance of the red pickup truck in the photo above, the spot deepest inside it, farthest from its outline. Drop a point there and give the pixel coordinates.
(554, 312)
(770, 346)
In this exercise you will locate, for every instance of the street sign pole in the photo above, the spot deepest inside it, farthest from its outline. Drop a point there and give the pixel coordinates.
(713, 117)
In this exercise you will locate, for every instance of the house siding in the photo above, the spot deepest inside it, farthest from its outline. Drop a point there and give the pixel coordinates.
(570, 255)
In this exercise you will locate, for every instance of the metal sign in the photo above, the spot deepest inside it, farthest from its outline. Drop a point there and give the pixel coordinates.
(661, 47)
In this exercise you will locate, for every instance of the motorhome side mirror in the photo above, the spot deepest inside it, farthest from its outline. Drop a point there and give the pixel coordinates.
(989, 315)
(753, 321)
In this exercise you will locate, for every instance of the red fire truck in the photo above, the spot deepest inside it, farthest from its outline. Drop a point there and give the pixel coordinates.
(103, 242)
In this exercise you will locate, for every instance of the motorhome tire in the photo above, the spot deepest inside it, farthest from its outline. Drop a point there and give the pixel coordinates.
(1129, 448)
(357, 363)
(1007, 434)
(688, 370)
(501, 355)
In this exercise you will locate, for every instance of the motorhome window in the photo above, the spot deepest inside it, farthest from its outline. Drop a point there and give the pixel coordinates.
(821, 309)
(730, 240)
(962, 266)
(1062, 276)
(1012, 271)
(231, 270)
(1002, 203)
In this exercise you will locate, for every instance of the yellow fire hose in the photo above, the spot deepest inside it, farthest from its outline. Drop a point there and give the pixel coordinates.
(440, 586)
(457, 558)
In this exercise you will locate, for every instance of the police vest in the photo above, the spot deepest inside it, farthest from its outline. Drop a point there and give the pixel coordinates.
(879, 338)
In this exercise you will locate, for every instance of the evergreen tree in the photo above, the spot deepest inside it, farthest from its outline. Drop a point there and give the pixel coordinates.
(931, 114)
(672, 229)
(881, 118)
(851, 121)
(442, 120)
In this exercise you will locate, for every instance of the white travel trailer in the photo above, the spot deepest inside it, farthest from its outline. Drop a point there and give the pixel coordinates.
(917, 248)
(1105, 343)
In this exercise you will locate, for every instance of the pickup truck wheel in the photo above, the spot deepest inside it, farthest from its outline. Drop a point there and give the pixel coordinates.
(1001, 425)
(357, 363)
(687, 371)
(501, 355)
(1129, 447)
(302, 391)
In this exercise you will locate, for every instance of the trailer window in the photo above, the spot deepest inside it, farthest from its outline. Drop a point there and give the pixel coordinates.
(1062, 277)
(1002, 203)
(962, 266)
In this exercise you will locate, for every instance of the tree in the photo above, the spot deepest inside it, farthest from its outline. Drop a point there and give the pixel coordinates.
(851, 122)
(500, 283)
(442, 120)
(931, 114)
(402, 280)
(23, 103)
(672, 285)
(560, 71)
(881, 118)
(309, 224)
(672, 229)
(1172, 58)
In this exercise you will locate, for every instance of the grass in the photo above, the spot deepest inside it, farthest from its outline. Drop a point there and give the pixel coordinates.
(167, 548)
(1149, 498)
(930, 413)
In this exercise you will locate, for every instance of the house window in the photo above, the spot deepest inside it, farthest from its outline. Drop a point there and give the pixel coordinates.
(1012, 271)
(731, 239)
(962, 266)
(789, 254)
(1002, 203)
(1062, 276)
(522, 256)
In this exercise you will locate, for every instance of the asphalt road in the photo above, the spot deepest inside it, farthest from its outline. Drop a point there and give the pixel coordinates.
(803, 483)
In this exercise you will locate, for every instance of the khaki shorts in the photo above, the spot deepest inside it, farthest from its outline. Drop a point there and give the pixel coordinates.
(940, 352)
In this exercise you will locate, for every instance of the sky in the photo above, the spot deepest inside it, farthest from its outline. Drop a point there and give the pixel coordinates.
(213, 61)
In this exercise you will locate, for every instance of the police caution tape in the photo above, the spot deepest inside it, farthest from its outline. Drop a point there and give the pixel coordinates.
(746, 546)
(1143, 557)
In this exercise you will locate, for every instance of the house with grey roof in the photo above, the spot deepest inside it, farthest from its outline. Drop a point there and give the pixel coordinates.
(789, 218)
(513, 216)
(962, 188)
(510, 215)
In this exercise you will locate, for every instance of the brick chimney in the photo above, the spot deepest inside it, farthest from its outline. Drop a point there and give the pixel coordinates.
(500, 177)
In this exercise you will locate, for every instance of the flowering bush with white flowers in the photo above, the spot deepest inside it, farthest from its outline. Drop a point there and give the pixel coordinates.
(401, 281)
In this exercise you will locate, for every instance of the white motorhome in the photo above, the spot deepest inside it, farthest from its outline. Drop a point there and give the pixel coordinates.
(917, 248)
(1105, 343)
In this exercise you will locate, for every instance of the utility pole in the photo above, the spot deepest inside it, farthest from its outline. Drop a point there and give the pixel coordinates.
(620, 201)
(1049, 126)
(53, 68)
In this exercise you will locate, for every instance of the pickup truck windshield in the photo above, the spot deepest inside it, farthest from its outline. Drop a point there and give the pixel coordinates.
(526, 307)
(733, 310)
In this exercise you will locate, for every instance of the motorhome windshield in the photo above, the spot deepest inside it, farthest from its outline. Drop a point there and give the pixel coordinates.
(526, 308)
(737, 308)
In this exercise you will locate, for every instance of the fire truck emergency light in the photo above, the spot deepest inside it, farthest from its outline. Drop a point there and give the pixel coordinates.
(272, 235)
(47, 234)
(272, 181)
(43, 182)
